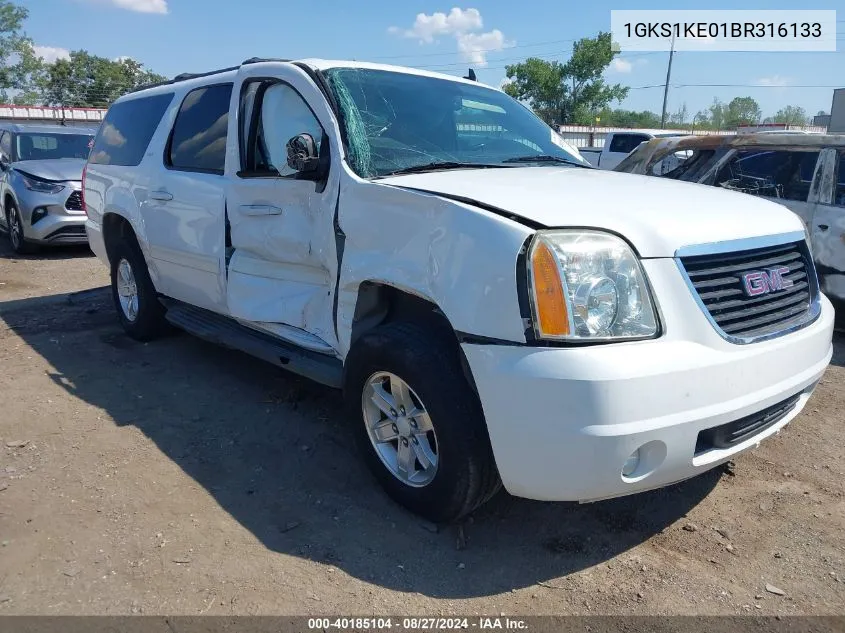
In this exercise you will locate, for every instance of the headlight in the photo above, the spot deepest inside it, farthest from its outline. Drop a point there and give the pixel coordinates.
(41, 186)
(588, 285)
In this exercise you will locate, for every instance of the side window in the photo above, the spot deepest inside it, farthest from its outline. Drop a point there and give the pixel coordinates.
(6, 145)
(626, 143)
(839, 192)
(770, 173)
(127, 129)
(198, 139)
(280, 115)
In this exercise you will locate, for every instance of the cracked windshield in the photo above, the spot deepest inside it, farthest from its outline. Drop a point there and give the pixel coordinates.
(399, 122)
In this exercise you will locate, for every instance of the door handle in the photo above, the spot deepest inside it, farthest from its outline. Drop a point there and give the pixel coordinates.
(260, 209)
(161, 195)
(823, 227)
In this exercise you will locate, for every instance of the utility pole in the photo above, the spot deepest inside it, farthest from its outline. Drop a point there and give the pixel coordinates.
(666, 87)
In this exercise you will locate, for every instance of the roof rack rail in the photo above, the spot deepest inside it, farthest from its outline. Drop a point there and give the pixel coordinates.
(182, 77)
(187, 76)
(258, 60)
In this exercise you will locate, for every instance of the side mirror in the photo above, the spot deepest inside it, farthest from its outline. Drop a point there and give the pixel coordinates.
(4, 162)
(302, 153)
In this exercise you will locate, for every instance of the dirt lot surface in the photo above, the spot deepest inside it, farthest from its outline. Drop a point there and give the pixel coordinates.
(176, 477)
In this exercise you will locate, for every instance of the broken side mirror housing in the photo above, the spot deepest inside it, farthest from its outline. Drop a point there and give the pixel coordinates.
(302, 154)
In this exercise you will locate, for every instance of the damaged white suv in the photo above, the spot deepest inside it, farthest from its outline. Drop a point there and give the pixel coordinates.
(495, 310)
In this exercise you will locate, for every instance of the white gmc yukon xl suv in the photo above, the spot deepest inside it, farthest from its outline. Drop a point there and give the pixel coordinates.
(431, 247)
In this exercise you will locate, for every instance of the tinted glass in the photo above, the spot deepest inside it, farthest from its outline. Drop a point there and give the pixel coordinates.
(41, 146)
(626, 143)
(770, 173)
(199, 135)
(127, 129)
(394, 121)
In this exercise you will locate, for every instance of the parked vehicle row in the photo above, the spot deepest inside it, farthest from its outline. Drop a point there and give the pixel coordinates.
(431, 247)
(41, 184)
(617, 145)
(803, 172)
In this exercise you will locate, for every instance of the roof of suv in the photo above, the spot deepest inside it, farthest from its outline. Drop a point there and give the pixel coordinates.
(192, 79)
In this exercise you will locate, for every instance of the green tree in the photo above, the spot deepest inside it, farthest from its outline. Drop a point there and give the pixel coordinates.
(791, 115)
(742, 111)
(679, 118)
(571, 92)
(87, 80)
(717, 110)
(18, 63)
(628, 118)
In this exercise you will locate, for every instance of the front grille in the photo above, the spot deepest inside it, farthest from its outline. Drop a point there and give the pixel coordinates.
(717, 280)
(74, 202)
(738, 431)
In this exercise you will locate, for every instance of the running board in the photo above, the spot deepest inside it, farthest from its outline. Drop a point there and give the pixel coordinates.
(227, 332)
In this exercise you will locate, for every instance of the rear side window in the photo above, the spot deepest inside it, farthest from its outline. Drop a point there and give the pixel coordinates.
(626, 143)
(127, 129)
(198, 140)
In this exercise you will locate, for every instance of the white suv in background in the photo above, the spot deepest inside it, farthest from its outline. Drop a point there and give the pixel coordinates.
(430, 246)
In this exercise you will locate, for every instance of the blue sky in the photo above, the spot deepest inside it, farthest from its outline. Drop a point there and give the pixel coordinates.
(173, 36)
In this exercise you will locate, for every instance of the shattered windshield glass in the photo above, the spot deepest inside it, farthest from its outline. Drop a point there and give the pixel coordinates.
(396, 122)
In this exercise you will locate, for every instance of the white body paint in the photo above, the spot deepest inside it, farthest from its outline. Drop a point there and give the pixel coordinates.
(562, 420)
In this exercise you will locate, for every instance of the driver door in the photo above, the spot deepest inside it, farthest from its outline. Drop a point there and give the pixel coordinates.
(282, 258)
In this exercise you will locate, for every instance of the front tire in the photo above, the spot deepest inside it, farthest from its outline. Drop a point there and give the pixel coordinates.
(418, 423)
(14, 224)
(140, 312)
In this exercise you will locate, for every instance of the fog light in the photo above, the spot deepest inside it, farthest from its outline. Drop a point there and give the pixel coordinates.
(37, 214)
(630, 465)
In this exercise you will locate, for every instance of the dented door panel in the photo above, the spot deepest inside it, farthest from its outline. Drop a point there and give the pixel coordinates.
(283, 267)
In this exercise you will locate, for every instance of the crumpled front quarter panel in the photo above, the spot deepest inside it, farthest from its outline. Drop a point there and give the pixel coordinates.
(459, 257)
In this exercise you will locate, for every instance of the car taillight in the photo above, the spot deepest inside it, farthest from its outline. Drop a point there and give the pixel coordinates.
(82, 193)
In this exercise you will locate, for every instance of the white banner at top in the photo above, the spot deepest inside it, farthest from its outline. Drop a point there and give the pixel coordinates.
(718, 30)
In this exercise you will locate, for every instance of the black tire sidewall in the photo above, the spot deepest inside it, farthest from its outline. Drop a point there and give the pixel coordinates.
(150, 319)
(23, 247)
(430, 366)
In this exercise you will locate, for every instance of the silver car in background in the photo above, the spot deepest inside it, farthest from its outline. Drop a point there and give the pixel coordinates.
(41, 184)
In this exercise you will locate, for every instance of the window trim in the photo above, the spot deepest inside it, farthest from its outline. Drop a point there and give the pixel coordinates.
(257, 107)
(168, 145)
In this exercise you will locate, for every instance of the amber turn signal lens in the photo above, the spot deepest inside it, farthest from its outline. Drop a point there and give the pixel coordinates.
(549, 302)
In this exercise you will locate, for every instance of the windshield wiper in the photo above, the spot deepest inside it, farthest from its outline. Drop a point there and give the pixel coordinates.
(546, 158)
(436, 166)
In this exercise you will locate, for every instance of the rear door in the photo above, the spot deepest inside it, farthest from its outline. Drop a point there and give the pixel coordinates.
(184, 215)
(827, 229)
(283, 264)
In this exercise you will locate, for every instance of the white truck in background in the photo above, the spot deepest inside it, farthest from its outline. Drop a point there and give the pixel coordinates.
(617, 145)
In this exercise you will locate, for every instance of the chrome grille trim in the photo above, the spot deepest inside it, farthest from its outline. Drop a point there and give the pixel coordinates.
(740, 319)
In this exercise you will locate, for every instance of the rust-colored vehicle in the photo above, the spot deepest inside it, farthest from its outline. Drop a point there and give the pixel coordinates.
(803, 172)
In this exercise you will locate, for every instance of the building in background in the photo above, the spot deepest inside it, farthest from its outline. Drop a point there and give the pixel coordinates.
(836, 125)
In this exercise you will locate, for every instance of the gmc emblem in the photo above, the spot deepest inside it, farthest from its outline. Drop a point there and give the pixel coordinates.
(761, 282)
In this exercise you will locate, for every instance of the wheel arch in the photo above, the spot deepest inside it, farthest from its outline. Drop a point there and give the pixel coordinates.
(379, 303)
(116, 226)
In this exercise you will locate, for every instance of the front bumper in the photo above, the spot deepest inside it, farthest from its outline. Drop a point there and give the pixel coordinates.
(563, 421)
(46, 220)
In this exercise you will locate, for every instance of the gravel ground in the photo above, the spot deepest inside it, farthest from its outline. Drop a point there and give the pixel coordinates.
(176, 477)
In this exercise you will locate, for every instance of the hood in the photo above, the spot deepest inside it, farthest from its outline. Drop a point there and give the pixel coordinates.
(58, 169)
(656, 215)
